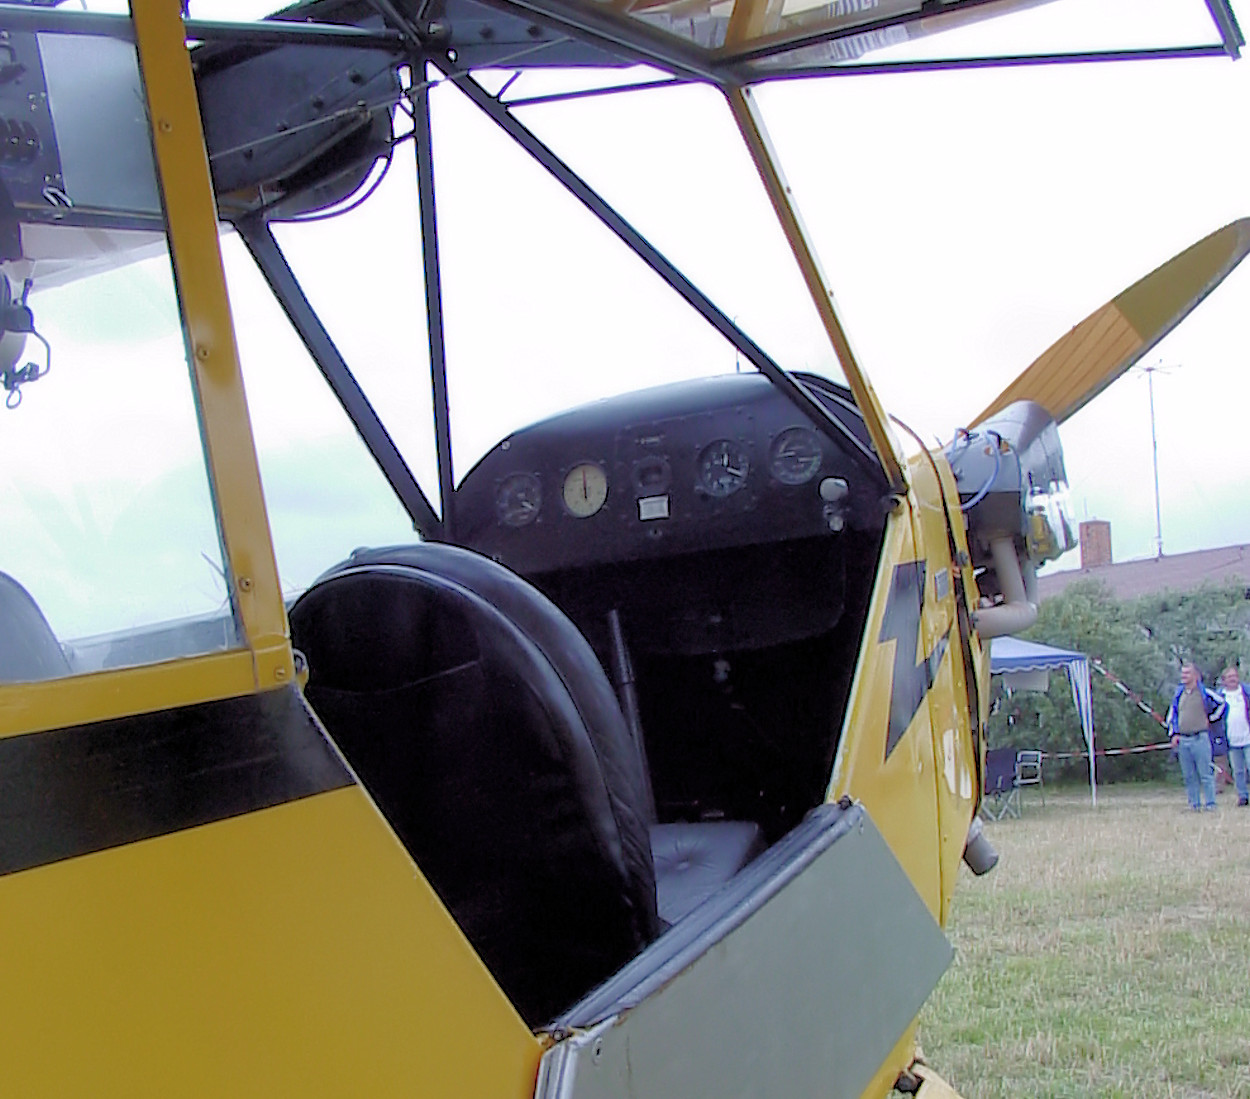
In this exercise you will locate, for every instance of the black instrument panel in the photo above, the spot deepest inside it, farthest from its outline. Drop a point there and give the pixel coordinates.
(683, 468)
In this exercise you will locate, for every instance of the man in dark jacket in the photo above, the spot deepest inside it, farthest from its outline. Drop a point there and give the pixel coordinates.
(1193, 711)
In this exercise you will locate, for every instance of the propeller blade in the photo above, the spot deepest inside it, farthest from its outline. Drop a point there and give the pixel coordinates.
(1075, 369)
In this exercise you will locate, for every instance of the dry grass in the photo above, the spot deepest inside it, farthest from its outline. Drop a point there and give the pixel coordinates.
(1107, 955)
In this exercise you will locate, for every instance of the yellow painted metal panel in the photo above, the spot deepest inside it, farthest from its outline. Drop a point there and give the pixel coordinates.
(898, 790)
(957, 746)
(191, 212)
(932, 1086)
(900, 1058)
(953, 771)
(292, 951)
(60, 703)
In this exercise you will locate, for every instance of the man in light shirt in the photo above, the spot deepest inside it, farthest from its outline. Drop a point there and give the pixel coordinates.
(1238, 724)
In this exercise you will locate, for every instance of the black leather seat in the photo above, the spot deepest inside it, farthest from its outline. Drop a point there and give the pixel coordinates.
(525, 816)
(29, 650)
(694, 859)
(482, 722)
(691, 858)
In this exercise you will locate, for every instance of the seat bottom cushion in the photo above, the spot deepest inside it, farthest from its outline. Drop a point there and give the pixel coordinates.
(692, 861)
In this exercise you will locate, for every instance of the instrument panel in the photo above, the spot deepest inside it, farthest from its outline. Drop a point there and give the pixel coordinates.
(683, 468)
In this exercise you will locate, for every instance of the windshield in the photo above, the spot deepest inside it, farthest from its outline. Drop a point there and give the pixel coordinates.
(111, 551)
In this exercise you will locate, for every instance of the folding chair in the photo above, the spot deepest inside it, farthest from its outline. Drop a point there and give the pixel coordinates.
(1002, 795)
(1029, 770)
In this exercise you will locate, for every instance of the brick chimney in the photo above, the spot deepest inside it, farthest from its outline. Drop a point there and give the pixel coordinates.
(1095, 543)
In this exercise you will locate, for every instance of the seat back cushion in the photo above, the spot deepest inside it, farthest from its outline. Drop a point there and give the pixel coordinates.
(476, 754)
(29, 650)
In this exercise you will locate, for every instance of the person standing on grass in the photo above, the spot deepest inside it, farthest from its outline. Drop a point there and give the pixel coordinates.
(1237, 724)
(1193, 710)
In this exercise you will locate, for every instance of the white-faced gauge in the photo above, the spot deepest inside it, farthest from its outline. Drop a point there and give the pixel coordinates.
(585, 489)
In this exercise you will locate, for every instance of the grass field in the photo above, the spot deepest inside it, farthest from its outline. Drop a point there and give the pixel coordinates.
(1107, 955)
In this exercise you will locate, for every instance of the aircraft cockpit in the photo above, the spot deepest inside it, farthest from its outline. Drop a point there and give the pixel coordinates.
(724, 545)
(472, 702)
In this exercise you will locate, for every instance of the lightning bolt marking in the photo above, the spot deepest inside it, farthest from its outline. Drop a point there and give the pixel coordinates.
(901, 623)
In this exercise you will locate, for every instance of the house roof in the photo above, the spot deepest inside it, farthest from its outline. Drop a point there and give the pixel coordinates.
(1172, 572)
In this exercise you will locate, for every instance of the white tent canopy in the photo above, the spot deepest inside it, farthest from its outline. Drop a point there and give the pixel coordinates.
(1010, 656)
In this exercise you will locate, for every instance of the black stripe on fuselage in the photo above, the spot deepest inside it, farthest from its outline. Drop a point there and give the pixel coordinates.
(69, 792)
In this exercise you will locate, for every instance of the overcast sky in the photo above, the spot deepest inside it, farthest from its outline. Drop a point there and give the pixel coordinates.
(969, 219)
(966, 220)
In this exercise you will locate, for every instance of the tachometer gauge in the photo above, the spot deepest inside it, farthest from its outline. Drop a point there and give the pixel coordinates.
(585, 489)
(723, 468)
(795, 456)
(518, 499)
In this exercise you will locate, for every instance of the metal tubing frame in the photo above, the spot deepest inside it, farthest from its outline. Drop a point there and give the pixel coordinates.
(1221, 16)
(730, 68)
(270, 33)
(199, 276)
(751, 125)
(1226, 22)
(640, 43)
(771, 47)
(424, 149)
(1005, 61)
(657, 262)
(260, 242)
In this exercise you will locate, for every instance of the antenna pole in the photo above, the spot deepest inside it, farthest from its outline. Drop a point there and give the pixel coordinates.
(1149, 371)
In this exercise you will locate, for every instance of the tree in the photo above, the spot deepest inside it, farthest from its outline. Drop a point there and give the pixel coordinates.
(1142, 642)
(1210, 625)
(1087, 618)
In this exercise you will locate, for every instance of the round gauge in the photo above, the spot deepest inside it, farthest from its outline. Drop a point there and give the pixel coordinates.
(518, 499)
(585, 489)
(652, 475)
(795, 456)
(723, 468)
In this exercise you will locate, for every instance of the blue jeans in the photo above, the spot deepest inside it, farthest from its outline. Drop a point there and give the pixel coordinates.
(1194, 752)
(1237, 757)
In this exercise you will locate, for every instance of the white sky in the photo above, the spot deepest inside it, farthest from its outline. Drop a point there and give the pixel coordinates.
(966, 220)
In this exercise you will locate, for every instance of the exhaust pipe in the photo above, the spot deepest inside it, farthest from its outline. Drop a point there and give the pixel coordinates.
(979, 853)
(1018, 612)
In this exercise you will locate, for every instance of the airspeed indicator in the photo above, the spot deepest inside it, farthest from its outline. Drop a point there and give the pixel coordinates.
(795, 456)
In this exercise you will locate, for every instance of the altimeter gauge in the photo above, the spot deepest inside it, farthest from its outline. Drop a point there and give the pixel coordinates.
(518, 499)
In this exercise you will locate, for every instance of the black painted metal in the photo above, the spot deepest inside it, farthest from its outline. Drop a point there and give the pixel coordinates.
(632, 40)
(591, 93)
(659, 263)
(269, 258)
(424, 147)
(771, 48)
(1004, 62)
(69, 792)
(1226, 20)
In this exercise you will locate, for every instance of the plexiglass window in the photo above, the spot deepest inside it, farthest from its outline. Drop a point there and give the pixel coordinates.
(110, 554)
